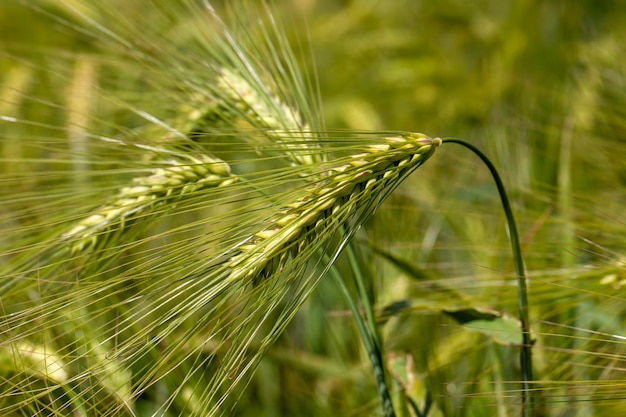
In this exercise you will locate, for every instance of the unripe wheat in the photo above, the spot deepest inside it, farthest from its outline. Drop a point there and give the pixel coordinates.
(163, 187)
(281, 123)
(331, 201)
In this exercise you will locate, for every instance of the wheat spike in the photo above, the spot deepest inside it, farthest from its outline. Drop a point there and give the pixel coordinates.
(281, 123)
(163, 187)
(330, 201)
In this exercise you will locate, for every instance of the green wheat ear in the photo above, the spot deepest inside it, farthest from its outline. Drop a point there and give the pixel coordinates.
(346, 188)
(281, 123)
(163, 188)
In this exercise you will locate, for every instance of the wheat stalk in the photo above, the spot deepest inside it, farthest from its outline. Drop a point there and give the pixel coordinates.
(163, 187)
(345, 189)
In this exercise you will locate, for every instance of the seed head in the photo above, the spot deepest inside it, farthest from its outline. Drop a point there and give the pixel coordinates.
(329, 203)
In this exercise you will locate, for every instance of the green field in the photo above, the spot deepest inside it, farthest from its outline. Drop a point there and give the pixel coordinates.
(218, 209)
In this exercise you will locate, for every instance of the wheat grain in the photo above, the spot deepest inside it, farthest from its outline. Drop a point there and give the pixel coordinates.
(164, 186)
(330, 202)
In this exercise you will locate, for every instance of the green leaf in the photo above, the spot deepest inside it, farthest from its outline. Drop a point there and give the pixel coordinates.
(403, 265)
(500, 327)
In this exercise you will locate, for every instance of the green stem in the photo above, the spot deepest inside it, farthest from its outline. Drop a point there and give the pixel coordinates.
(363, 295)
(525, 353)
(373, 351)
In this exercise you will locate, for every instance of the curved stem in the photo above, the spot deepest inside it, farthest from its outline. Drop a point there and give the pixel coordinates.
(525, 353)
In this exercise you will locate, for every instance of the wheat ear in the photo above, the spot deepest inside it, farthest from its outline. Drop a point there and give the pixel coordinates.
(281, 123)
(163, 187)
(347, 189)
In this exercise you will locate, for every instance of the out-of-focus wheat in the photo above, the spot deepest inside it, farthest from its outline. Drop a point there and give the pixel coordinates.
(163, 187)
